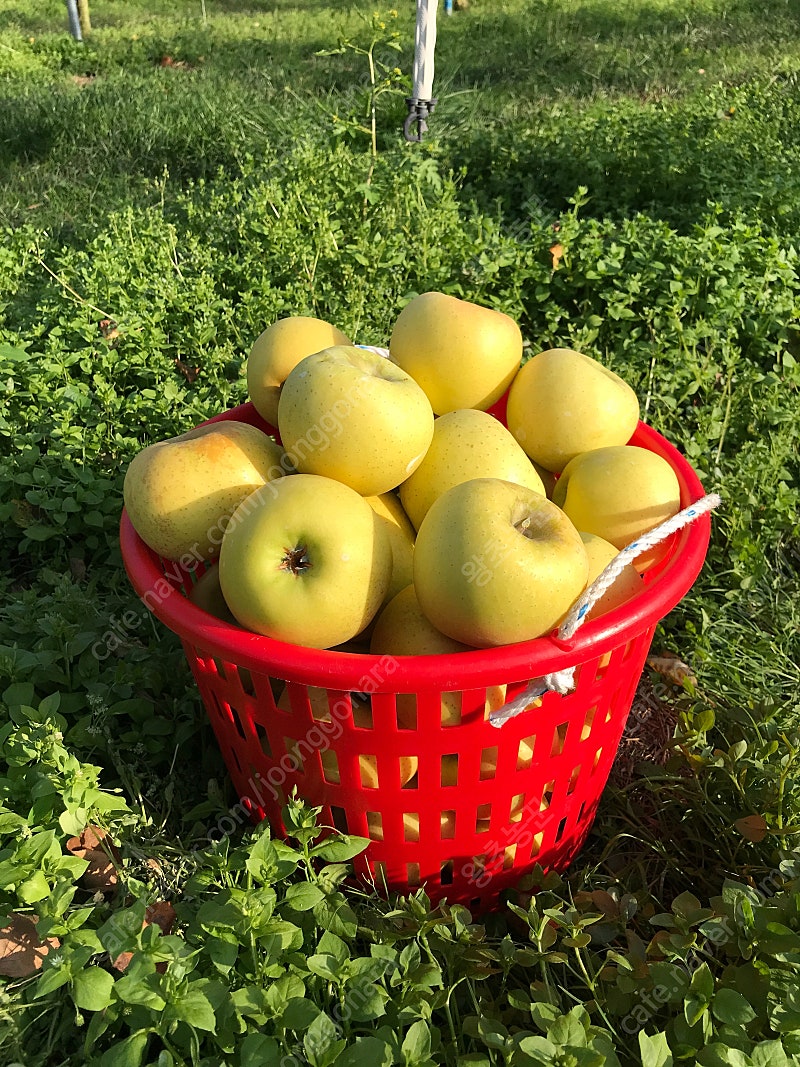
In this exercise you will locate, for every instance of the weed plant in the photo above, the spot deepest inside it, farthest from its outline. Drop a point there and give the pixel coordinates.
(619, 178)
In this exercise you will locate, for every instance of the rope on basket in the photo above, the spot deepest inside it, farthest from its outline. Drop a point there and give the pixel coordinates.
(563, 682)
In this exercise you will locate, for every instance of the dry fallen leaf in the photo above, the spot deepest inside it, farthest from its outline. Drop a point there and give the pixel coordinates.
(162, 914)
(77, 568)
(109, 329)
(752, 827)
(189, 373)
(557, 252)
(669, 666)
(96, 847)
(176, 64)
(21, 951)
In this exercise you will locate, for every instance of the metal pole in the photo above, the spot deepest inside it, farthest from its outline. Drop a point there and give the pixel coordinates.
(74, 20)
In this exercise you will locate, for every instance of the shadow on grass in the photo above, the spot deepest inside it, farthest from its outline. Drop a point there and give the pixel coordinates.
(157, 114)
(104, 14)
(741, 150)
(602, 47)
(137, 121)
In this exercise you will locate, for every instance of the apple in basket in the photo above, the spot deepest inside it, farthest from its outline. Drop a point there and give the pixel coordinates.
(466, 444)
(563, 403)
(343, 705)
(305, 560)
(206, 594)
(401, 629)
(349, 414)
(496, 563)
(626, 585)
(463, 355)
(180, 493)
(619, 493)
(401, 533)
(277, 351)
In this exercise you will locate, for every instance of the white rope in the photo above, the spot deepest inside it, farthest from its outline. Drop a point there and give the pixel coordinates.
(424, 46)
(563, 681)
(378, 351)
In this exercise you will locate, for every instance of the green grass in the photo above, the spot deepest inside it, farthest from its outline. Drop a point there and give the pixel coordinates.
(555, 96)
(193, 205)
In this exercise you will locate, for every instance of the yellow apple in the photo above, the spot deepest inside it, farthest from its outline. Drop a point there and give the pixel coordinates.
(362, 718)
(180, 493)
(466, 444)
(618, 493)
(447, 825)
(627, 583)
(463, 355)
(277, 351)
(563, 402)
(307, 562)
(401, 537)
(548, 479)
(401, 629)
(349, 414)
(496, 563)
(206, 594)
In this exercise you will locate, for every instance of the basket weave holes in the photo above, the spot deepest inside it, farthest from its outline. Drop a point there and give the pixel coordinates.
(588, 722)
(488, 763)
(330, 766)
(339, 819)
(263, 738)
(229, 714)
(525, 752)
(559, 738)
(483, 817)
(375, 825)
(573, 780)
(411, 826)
(449, 773)
(406, 713)
(246, 682)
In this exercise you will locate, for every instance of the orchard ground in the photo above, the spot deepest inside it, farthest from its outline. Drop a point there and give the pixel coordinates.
(621, 178)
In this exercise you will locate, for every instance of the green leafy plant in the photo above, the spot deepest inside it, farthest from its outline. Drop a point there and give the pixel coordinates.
(356, 116)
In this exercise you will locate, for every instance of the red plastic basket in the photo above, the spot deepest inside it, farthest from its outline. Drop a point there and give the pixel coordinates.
(485, 804)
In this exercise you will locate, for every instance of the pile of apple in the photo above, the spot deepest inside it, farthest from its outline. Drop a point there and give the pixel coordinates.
(397, 515)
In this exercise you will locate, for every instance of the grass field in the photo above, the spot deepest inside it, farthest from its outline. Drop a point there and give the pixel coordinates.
(195, 170)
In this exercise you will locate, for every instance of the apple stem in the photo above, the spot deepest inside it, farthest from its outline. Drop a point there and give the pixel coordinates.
(524, 526)
(296, 560)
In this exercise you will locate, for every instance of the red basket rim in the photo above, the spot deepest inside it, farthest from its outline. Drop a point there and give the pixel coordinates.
(157, 584)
